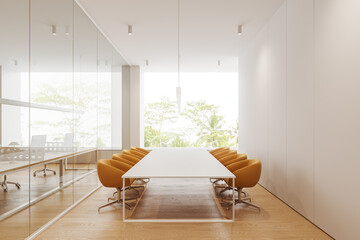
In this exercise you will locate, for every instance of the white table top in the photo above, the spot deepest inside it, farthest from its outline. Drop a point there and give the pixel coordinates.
(179, 163)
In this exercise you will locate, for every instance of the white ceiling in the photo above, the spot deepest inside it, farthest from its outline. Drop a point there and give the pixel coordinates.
(208, 30)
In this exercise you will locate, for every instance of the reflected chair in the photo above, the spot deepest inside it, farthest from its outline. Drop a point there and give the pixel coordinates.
(5, 183)
(217, 150)
(37, 148)
(110, 173)
(142, 150)
(247, 173)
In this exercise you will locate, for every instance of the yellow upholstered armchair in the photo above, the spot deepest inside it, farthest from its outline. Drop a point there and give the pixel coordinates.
(119, 157)
(142, 150)
(137, 153)
(218, 150)
(133, 149)
(110, 173)
(247, 173)
(129, 157)
(128, 152)
(238, 157)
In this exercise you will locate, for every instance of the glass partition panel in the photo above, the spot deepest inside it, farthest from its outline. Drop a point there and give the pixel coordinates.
(85, 80)
(116, 102)
(104, 92)
(86, 64)
(60, 100)
(51, 108)
(14, 119)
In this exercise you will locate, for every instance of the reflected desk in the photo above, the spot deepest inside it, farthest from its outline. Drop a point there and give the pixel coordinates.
(13, 159)
(179, 163)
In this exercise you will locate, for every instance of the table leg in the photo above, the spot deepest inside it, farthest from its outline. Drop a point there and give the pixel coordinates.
(233, 192)
(61, 173)
(123, 200)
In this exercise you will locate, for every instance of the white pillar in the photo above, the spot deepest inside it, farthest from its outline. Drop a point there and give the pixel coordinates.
(125, 107)
(131, 107)
(135, 106)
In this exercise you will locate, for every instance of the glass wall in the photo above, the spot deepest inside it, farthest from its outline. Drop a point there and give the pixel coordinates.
(60, 101)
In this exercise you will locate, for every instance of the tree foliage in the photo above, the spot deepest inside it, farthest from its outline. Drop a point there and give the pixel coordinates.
(205, 128)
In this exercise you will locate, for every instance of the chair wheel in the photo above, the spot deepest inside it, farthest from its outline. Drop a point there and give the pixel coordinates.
(34, 174)
(18, 185)
(54, 173)
(5, 189)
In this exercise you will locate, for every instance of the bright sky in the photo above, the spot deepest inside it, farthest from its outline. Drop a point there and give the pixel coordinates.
(214, 87)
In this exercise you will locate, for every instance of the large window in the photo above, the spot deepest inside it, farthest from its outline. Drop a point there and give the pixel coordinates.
(204, 116)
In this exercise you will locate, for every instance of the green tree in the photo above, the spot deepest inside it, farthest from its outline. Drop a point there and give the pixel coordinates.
(207, 124)
(157, 114)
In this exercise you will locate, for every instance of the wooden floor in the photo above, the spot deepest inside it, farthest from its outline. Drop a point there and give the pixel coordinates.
(275, 221)
(25, 222)
(33, 187)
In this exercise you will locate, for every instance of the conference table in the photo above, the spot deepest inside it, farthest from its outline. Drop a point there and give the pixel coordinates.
(179, 163)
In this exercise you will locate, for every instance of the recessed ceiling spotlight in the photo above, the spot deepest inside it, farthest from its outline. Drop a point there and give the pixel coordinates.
(130, 30)
(53, 30)
(239, 32)
(67, 32)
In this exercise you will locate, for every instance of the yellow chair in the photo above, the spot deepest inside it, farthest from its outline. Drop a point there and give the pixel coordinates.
(247, 173)
(217, 150)
(225, 154)
(128, 157)
(239, 157)
(142, 150)
(110, 173)
(131, 158)
(137, 153)
(220, 153)
(127, 152)
(119, 157)
(228, 156)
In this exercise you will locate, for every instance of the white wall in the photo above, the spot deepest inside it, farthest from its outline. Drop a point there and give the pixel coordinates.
(299, 113)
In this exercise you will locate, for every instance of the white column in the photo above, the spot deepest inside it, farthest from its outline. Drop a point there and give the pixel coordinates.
(131, 107)
(126, 107)
(135, 106)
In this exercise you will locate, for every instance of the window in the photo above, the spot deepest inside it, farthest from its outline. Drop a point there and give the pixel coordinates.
(207, 116)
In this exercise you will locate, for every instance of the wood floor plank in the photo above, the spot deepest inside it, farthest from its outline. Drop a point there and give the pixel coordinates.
(275, 221)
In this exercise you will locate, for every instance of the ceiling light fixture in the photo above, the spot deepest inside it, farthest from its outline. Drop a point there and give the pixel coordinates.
(67, 32)
(53, 30)
(239, 32)
(219, 62)
(147, 62)
(130, 30)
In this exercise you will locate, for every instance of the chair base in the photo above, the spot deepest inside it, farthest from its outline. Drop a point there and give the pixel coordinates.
(118, 200)
(4, 184)
(44, 171)
(240, 200)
